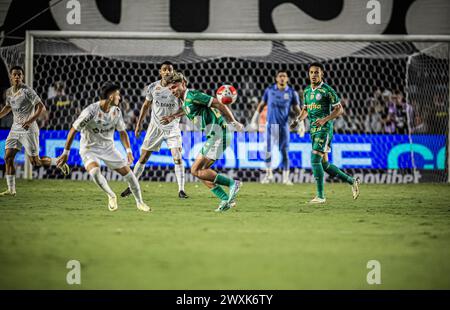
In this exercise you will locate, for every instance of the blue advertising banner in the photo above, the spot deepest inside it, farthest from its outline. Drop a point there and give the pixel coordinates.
(247, 150)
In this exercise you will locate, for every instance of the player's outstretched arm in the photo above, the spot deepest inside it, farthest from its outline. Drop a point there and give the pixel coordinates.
(40, 108)
(169, 118)
(65, 155)
(226, 112)
(144, 109)
(255, 117)
(126, 143)
(5, 111)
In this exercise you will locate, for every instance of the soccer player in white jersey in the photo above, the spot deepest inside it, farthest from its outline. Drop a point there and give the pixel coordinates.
(97, 123)
(161, 102)
(26, 107)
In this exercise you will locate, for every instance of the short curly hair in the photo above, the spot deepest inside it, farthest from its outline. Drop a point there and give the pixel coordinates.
(177, 77)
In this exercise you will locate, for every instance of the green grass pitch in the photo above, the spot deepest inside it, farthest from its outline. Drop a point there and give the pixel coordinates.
(272, 240)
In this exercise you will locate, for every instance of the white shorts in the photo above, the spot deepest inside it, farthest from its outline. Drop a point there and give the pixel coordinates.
(155, 136)
(29, 140)
(110, 156)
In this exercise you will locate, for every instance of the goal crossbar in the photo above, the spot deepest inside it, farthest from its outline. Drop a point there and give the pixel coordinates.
(30, 35)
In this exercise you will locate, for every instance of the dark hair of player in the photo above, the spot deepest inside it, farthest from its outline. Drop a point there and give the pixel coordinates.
(107, 89)
(59, 86)
(177, 77)
(16, 68)
(316, 64)
(168, 63)
(283, 70)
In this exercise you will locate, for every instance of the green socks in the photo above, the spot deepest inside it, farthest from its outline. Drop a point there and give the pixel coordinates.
(223, 180)
(318, 168)
(219, 192)
(335, 171)
(316, 163)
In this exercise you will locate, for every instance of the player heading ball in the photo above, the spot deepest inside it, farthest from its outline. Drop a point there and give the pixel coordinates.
(211, 113)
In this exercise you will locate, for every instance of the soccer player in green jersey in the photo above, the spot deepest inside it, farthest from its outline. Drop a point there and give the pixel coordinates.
(211, 113)
(322, 105)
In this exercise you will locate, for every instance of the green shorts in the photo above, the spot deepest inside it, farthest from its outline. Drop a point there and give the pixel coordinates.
(216, 144)
(321, 141)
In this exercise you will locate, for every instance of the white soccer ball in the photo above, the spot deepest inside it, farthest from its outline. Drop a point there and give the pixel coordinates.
(226, 94)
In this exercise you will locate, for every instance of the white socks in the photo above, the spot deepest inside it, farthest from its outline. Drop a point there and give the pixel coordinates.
(269, 172)
(179, 173)
(53, 161)
(11, 182)
(100, 180)
(285, 176)
(134, 186)
(138, 169)
(130, 178)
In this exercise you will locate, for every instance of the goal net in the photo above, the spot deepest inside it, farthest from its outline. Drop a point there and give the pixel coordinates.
(395, 95)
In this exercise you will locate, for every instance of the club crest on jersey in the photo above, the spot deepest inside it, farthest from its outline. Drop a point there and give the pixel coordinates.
(311, 97)
(158, 87)
(286, 96)
(318, 96)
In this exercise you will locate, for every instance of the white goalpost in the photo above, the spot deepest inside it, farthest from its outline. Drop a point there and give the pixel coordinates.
(417, 65)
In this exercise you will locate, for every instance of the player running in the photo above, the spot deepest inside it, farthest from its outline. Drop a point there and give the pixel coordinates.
(161, 102)
(279, 98)
(97, 123)
(322, 105)
(210, 111)
(26, 107)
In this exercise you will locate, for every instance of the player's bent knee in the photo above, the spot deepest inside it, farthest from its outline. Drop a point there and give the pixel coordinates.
(123, 171)
(195, 172)
(9, 158)
(35, 161)
(91, 165)
(145, 155)
(93, 171)
(9, 161)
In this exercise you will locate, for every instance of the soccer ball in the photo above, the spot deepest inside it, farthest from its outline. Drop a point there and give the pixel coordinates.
(226, 94)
